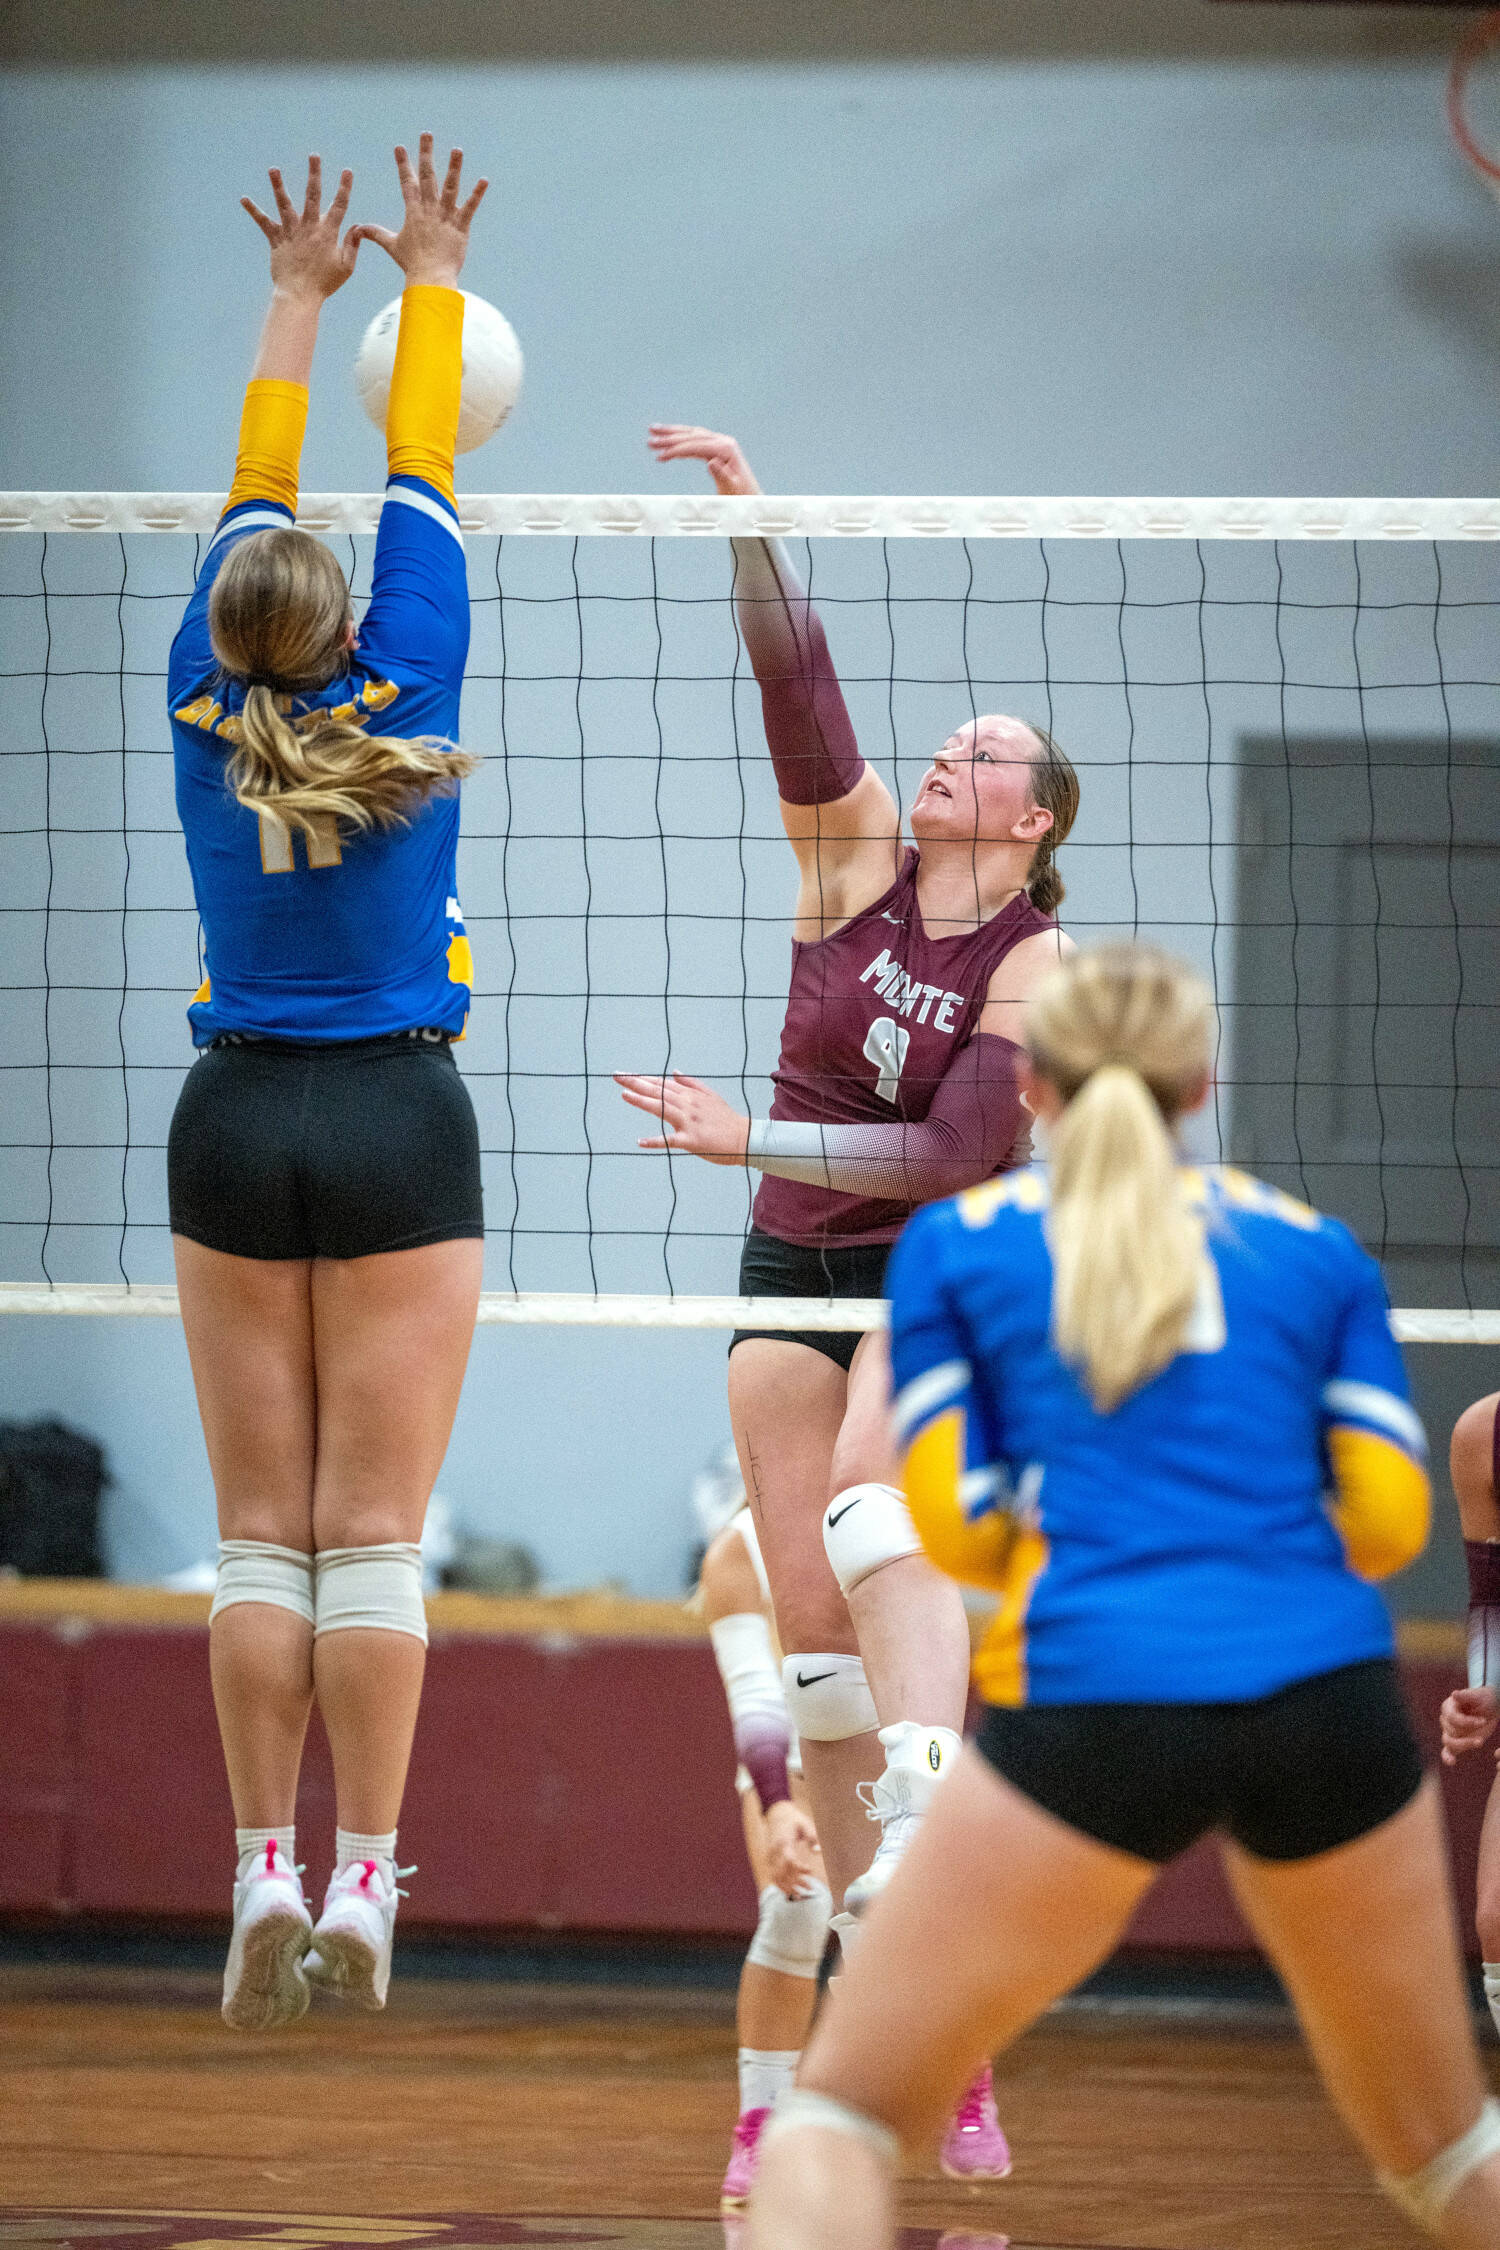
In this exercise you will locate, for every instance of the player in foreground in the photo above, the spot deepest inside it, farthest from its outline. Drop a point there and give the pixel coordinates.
(1162, 1415)
(1469, 1715)
(323, 1161)
(897, 1082)
(779, 1982)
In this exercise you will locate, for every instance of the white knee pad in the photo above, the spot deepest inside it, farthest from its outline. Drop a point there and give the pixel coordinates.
(828, 1697)
(1424, 2196)
(791, 1936)
(379, 1588)
(253, 1570)
(798, 2106)
(866, 1527)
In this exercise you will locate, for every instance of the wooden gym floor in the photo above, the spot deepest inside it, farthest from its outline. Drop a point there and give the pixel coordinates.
(502, 2113)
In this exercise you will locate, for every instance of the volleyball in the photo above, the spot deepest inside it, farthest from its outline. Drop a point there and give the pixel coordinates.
(493, 368)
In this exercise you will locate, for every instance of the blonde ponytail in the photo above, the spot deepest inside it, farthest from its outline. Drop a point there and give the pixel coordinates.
(1123, 1033)
(279, 619)
(320, 767)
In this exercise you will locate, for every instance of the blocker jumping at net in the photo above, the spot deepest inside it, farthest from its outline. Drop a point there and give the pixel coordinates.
(897, 1081)
(323, 1161)
(1161, 1415)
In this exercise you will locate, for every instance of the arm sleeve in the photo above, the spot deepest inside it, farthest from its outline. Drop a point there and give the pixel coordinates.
(808, 728)
(757, 1706)
(418, 618)
(972, 1128)
(264, 493)
(955, 1486)
(1377, 1452)
(421, 419)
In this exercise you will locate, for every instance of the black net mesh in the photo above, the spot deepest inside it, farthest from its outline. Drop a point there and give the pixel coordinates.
(1289, 768)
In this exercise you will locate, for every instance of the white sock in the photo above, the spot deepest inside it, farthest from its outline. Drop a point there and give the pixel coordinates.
(1492, 1989)
(249, 1843)
(764, 2073)
(349, 1847)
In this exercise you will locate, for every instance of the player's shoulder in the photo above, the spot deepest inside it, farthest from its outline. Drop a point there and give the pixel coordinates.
(980, 1222)
(1283, 1225)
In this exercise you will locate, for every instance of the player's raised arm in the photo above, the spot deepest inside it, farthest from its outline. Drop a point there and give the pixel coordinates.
(310, 259)
(839, 816)
(419, 607)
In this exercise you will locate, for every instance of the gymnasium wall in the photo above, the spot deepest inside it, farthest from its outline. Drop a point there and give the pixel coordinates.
(1232, 277)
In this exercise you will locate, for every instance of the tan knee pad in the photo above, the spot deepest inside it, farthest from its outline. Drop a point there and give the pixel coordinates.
(255, 1570)
(799, 2106)
(1424, 2196)
(378, 1588)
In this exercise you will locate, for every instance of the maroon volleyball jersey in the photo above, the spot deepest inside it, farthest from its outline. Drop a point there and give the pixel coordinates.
(874, 1019)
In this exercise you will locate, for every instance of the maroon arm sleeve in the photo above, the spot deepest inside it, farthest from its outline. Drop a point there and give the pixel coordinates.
(974, 1126)
(808, 729)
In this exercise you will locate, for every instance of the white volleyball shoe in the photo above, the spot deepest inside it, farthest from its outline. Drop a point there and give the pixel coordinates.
(265, 1984)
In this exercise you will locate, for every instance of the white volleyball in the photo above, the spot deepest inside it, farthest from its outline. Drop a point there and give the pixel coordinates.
(492, 364)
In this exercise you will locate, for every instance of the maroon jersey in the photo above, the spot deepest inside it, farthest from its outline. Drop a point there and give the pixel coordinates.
(875, 1018)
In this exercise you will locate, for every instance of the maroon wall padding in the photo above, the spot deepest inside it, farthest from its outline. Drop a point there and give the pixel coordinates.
(575, 1784)
(35, 1767)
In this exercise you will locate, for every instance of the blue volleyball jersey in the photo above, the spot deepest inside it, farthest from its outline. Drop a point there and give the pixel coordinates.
(1209, 1540)
(353, 934)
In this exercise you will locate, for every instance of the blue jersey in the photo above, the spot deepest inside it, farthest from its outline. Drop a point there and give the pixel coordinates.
(356, 933)
(1205, 1541)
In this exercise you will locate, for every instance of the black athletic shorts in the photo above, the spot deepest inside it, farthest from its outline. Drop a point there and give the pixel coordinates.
(287, 1149)
(770, 1267)
(1287, 1776)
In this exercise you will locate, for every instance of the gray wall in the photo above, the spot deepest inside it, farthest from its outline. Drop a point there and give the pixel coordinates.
(1237, 278)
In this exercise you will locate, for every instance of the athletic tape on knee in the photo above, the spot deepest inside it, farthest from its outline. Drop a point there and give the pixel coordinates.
(799, 2106)
(379, 1588)
(791, 1936)
(866, 1527)
(757, 1707)
(1424, 2196)
(828, 1697)
(253, 1570)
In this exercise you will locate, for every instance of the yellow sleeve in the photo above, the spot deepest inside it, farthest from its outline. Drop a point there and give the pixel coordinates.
(421, 421)
(270, 449)
(1381, 1503)
(978, 1553)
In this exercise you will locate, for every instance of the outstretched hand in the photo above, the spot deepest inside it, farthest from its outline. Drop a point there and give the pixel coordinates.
(695, 1120)
(726, 464)
(434, 238)
(307, 256)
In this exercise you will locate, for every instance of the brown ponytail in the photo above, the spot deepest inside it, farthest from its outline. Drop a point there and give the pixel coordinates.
(279, 618)
(1122, 1032)
(1054, 784)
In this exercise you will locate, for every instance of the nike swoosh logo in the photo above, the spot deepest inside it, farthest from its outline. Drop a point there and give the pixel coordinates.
(896, 918)
(801, 1682)
(842, 1513)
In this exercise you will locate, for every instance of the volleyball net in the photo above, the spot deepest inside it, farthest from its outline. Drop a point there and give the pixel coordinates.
(1284, 718)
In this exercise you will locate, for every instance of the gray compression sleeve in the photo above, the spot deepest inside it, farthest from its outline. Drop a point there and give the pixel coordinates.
(972, 1127)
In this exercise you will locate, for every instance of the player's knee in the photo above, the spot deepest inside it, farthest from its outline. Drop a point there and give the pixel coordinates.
(373, 1587)
(865, 1527)
(265, 1573)
(1426, 2194)
(727, 1580)
(355, 1518)
(828, 1698)
(791, 1936)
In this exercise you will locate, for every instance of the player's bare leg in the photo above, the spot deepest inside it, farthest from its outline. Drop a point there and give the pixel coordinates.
(999, 1909)
(788, 1403)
